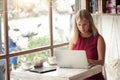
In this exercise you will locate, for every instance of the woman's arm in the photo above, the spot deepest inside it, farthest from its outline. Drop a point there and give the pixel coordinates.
(70, 46)
(101, 47)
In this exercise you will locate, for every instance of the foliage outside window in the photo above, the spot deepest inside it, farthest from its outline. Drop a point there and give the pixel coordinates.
(27, 26)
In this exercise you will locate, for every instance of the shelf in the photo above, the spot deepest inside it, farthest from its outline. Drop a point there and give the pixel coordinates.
(95, 5)
(103, 7)
(105, 14)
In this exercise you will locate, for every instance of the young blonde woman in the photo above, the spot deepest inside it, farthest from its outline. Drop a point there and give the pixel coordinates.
(86, 37)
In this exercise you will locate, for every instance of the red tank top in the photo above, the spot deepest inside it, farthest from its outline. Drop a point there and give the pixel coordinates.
(89, 44)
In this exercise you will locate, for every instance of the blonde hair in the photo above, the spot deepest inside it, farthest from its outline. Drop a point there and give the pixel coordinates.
(80, 15)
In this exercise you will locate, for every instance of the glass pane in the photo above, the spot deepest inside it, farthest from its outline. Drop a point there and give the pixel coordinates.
(61, 48)
(28, 22)
(2, 69)
(26, 62)
(1, 5)
(63, 11)
(2, 49)
(29, 58)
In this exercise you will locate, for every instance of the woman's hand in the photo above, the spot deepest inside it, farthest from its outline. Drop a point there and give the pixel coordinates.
(90, 61)
(95, 62)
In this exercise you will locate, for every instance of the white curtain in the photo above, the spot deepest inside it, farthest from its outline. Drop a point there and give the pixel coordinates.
(109, 28)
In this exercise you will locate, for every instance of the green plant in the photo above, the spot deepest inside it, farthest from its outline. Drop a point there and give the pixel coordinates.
(33, 43)
(38, 41)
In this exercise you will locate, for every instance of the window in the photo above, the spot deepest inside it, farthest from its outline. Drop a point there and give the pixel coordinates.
(32, 28)
(2, 69)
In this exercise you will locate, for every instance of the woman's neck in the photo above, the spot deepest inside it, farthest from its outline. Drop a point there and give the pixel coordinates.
(86, 34)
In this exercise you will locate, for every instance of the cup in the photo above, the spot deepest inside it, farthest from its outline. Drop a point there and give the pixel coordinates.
(52, 60)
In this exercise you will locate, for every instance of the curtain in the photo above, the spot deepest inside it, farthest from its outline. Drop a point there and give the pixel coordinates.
(109, 27)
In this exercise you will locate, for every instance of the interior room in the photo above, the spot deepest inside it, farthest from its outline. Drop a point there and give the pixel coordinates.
(31, 31)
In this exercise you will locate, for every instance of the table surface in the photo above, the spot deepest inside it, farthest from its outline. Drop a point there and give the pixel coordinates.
(59, 74)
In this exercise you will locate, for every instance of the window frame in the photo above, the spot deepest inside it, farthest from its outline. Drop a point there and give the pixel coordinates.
(7, 56)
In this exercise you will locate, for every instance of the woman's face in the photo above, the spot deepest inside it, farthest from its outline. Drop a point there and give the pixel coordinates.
(83, 26)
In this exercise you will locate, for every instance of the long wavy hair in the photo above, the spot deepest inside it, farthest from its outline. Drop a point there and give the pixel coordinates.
(80, 15)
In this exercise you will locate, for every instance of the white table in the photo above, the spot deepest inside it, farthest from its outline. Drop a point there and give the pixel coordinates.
(59, 74)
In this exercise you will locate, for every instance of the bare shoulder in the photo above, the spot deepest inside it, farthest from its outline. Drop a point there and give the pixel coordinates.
(101, 40)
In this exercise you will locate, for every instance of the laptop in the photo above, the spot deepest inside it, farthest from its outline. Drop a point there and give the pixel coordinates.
(71, 59)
